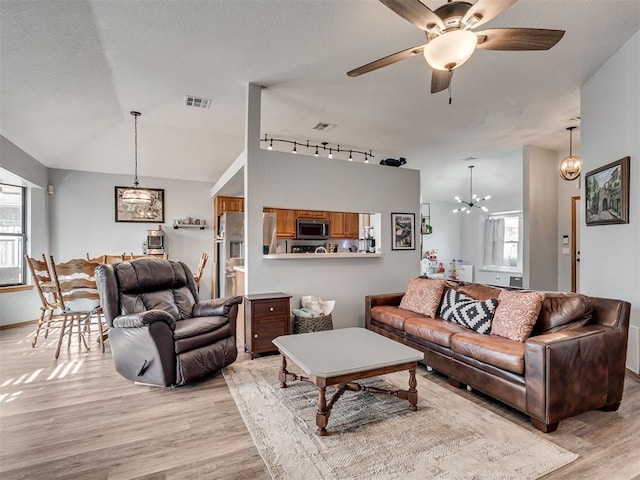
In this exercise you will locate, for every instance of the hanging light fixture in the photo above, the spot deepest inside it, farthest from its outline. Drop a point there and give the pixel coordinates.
(571, 166)
(136, 195)
(474, 199)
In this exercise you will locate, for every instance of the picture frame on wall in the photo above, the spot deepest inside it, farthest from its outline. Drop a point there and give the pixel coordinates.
(607, 194)
(152, 213)
(403, 231)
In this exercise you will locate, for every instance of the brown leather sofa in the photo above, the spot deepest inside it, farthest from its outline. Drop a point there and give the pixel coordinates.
(573, 362)
(160, 333)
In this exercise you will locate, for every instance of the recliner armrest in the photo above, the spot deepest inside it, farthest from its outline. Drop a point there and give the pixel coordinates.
(215, 307)
(142, 319)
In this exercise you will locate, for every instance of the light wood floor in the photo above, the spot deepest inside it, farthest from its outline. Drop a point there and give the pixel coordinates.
(75, 418)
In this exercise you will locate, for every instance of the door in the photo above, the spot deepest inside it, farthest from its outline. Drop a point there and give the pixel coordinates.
(575, 244)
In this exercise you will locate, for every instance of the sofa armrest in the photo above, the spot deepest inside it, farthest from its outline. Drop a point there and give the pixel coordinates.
(143, 319)
(215, 307)
(370, 301)
(574, 371)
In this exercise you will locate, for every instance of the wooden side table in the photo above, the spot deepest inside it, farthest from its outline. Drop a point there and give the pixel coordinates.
(266, 316)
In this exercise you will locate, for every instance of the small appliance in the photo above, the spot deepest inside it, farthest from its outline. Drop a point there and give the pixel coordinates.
(312, 229)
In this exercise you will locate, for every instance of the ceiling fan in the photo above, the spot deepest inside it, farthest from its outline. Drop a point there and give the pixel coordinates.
(451, 39)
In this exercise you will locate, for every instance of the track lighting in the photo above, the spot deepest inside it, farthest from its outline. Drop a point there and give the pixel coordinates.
(333, 149)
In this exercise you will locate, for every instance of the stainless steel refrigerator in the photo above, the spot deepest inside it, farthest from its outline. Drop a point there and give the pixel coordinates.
(230, 243)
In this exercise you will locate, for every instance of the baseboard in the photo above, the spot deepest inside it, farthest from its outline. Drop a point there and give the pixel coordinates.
(14, 325)
(633, 375)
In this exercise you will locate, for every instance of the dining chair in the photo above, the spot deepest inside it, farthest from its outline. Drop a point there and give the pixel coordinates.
(110, 259)
(76, 289)
(200, 270)
(46, 291)
(98, 259)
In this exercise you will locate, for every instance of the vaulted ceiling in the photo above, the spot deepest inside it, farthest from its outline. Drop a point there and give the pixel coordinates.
(72, 71)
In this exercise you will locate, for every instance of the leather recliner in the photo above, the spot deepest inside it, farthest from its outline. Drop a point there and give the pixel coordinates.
(160, 333)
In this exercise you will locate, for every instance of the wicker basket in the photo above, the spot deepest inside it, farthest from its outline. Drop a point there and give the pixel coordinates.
(313, 324)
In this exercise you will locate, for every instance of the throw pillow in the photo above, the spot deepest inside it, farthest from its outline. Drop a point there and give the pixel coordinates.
(423, 295)
(516, 314)
(474, 314)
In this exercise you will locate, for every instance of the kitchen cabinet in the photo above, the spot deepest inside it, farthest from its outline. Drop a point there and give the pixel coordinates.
(285, 222)
(312, 214)
(343, 225)
(266, 316)
(229, 204)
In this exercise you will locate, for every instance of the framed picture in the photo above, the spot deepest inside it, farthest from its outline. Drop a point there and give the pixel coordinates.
(403, 227)
(607, 194)
(152, 213)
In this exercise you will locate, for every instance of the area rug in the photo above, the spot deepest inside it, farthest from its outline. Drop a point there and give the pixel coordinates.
(377, 436)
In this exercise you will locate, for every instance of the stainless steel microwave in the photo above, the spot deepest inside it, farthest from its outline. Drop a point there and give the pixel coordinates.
(312, 229)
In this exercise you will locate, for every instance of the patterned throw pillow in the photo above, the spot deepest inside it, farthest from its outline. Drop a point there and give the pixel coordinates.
(423, 295)
(516, 314)
(474, 314)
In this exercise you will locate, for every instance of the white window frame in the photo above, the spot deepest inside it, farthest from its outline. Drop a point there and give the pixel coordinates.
(22, 235)
(506, 268)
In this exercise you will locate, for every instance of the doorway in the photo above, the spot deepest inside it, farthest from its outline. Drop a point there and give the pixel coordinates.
(575, 244)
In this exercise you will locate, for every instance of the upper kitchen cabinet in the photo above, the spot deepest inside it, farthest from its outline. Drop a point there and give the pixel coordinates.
(312, 214)
(343, 225)
(285, 222)
(229, 204)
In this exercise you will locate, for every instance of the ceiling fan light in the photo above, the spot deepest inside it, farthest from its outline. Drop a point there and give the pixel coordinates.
(450, 50)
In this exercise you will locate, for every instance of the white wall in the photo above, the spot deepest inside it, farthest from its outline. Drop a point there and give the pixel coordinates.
(610, 110)
(566, 190)
(19, 168)
(82, 212)
(446, 236)
(540, 201)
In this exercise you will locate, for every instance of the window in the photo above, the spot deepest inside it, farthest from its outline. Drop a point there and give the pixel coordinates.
(12, 235)
(503, 241)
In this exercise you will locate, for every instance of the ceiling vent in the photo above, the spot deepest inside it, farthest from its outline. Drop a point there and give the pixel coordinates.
(197, 102)
(324, 126)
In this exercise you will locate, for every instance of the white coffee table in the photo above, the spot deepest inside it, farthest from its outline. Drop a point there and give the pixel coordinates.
(338, 357)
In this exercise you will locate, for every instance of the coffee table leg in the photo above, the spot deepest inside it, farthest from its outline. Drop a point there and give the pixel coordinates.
(282, 375)
(322, 415)
(413, 393)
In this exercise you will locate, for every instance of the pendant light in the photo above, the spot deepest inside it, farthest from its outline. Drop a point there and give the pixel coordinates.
(571, 166)
(136, 195)
(474, 199)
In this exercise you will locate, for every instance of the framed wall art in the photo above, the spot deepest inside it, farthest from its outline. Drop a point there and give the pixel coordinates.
(403, 228)
(152, 213)
(607, 194)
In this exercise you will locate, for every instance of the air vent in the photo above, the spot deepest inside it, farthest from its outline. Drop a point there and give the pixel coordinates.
(324, 126)
(197, 102)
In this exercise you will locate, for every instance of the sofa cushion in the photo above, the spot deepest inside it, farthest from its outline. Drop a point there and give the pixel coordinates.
(499, 352)
(434, 330)
(423, 295)
(478, 291)
(392, 316)
(474, 314)
(561, 311)
(516, 314)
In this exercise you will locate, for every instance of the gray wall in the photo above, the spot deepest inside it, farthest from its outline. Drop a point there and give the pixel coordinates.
(277, 179)
(446, 236)
(540, 201)
(83, 218)
(566, 190)
(19, 168)
(610, 258)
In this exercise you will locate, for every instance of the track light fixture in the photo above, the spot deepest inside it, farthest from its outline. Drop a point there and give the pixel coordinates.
(324, 146)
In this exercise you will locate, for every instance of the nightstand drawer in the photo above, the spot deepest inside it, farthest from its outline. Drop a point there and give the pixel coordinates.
(272, 308)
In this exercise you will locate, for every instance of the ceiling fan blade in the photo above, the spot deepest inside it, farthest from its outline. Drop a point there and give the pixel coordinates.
(487, 10)
(415, 12)
(388, 60)
(518, 39)
(440, 80)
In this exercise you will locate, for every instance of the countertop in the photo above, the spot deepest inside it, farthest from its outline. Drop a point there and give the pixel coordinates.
(325, 256)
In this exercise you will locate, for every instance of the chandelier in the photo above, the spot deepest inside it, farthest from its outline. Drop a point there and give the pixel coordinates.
(474, 199)
(570, 166)
(136, 195)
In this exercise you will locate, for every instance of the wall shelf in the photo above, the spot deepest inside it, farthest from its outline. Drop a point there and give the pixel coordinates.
(189, 225)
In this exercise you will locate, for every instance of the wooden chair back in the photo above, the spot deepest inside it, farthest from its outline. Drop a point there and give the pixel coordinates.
(131, 256)
(75, 284)
(98, 259)
(109, 259)
(200, 270)
(43, 280)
